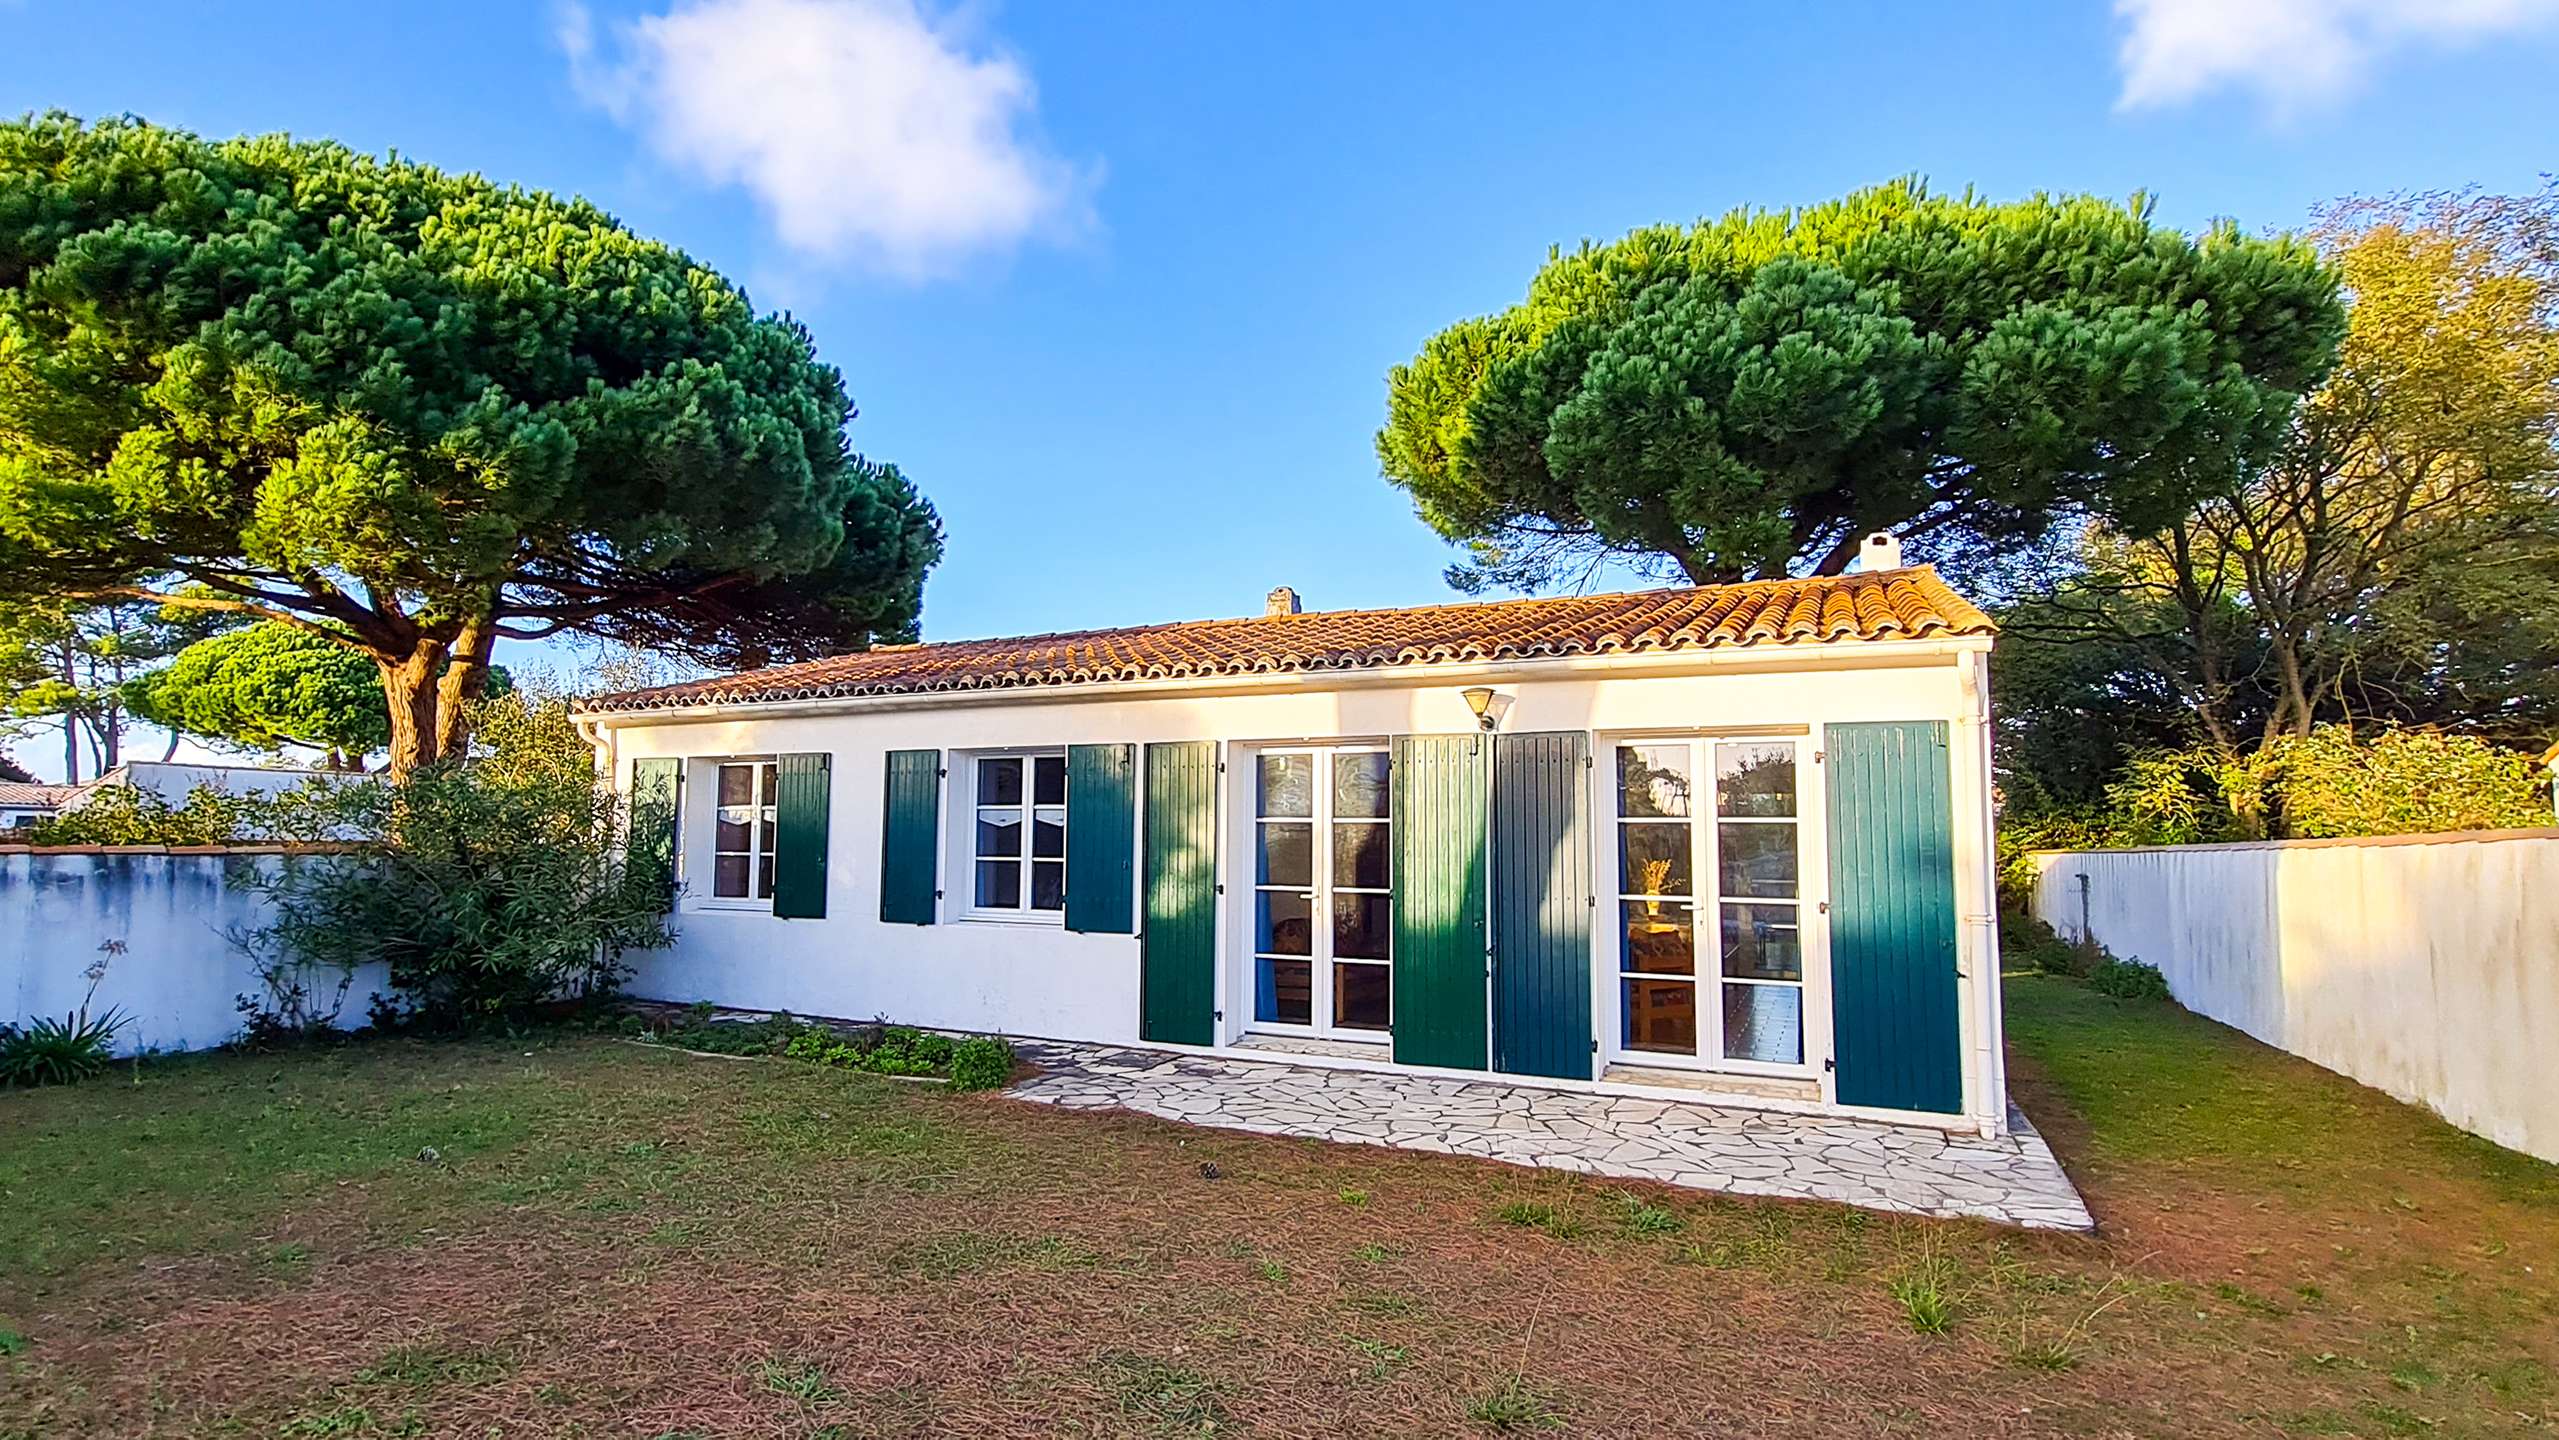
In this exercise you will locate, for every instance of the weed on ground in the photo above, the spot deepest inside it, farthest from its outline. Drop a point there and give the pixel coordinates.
(565, 1236)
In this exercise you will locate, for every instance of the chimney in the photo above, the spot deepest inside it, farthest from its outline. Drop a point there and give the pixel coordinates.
(1881, 552)
(1281, 601)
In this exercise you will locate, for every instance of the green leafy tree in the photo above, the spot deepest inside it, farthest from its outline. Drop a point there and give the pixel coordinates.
(2086, 682)
(1750, 396)
(415, 412)
(269, 685)
(70, 663)
(485, 893)
(2396, 558)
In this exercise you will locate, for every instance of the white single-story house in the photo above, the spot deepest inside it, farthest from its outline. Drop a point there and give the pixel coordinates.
(1727, 843)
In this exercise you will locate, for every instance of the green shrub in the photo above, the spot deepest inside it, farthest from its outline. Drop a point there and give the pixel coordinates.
(2026, 943)
(2405, 782)
(58, 1052)
(2127, 980)
(124, 815)
(75, 1047)
(982, 1062)
(488, 892)
(2331, 783)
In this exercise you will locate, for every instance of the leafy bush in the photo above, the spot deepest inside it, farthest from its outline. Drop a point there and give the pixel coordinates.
(2023, 832)
(981, 1063)
(487, 891)
(976, 1063)
(58, 1052)
(2406, 782)
(2330, 783)
(79, 1045)
(2127, 980)
(125, 815)
(2026, 943)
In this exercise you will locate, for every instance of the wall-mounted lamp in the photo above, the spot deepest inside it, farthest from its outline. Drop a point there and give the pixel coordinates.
(1479, 698)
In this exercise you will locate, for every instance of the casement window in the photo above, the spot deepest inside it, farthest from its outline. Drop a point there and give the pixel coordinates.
(766, 846)
(1323, 891)
(744, 830)
(1017, 854)
(1009, 850)
(1710, 952)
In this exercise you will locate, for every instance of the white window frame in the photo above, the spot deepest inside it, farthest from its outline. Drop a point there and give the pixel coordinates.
(1705, 879)
(756, 854)
(1319, 957)
(962, 843)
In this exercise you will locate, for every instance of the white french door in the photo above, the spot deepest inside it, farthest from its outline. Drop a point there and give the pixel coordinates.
(1323, 892)
(1711, 933)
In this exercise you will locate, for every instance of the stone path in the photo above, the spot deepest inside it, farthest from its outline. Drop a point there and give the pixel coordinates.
(1907, 1170)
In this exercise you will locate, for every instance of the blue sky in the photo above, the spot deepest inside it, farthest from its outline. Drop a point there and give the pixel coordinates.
(1118, 284)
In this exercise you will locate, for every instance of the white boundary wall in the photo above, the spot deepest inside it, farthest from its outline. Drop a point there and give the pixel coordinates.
(181, 973)
(2426, 966)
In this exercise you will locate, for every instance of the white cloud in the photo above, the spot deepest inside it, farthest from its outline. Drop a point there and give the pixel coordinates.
(2295, 53)
(868, 131)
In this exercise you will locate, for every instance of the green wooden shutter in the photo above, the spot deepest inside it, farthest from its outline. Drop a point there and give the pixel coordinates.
(799, 836)
(1894, 991)
(1541, 905)
(657, 785)
(911, 837)
(1438, 789)
(1180, 935)
(1101, 837)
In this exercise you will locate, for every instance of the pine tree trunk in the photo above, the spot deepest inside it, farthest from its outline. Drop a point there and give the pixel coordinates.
(409, 687)
(465, 680)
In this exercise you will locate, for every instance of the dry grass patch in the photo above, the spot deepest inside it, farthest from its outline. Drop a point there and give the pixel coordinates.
(614, 1241)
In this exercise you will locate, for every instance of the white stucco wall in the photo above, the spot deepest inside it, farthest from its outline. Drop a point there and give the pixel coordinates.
(1042, 981)
(181, 972)
(174, 781)
(2424, 966)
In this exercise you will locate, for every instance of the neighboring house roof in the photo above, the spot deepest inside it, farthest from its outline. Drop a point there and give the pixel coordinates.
(1904, 604)
(31, 797)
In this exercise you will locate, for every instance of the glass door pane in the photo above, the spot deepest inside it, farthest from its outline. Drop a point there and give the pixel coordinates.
(1284, 930)
(1358, 879)
(1657, 954)
(1657, 908)
(1323, 891)
(1759, 938)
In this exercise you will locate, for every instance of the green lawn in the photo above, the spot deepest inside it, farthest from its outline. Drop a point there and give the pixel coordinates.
(573, 1236)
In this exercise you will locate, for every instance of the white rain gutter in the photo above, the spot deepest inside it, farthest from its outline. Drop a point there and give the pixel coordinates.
(1829, 655)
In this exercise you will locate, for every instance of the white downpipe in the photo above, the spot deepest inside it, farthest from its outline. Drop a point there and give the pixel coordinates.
(1980, 926)
(1491, 941)
(606, 744)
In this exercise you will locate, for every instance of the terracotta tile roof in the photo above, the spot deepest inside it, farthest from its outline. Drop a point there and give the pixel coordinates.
(16, 793)
(1906, 604)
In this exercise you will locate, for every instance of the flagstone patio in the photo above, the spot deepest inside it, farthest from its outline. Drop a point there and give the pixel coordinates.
(1905, 1169)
